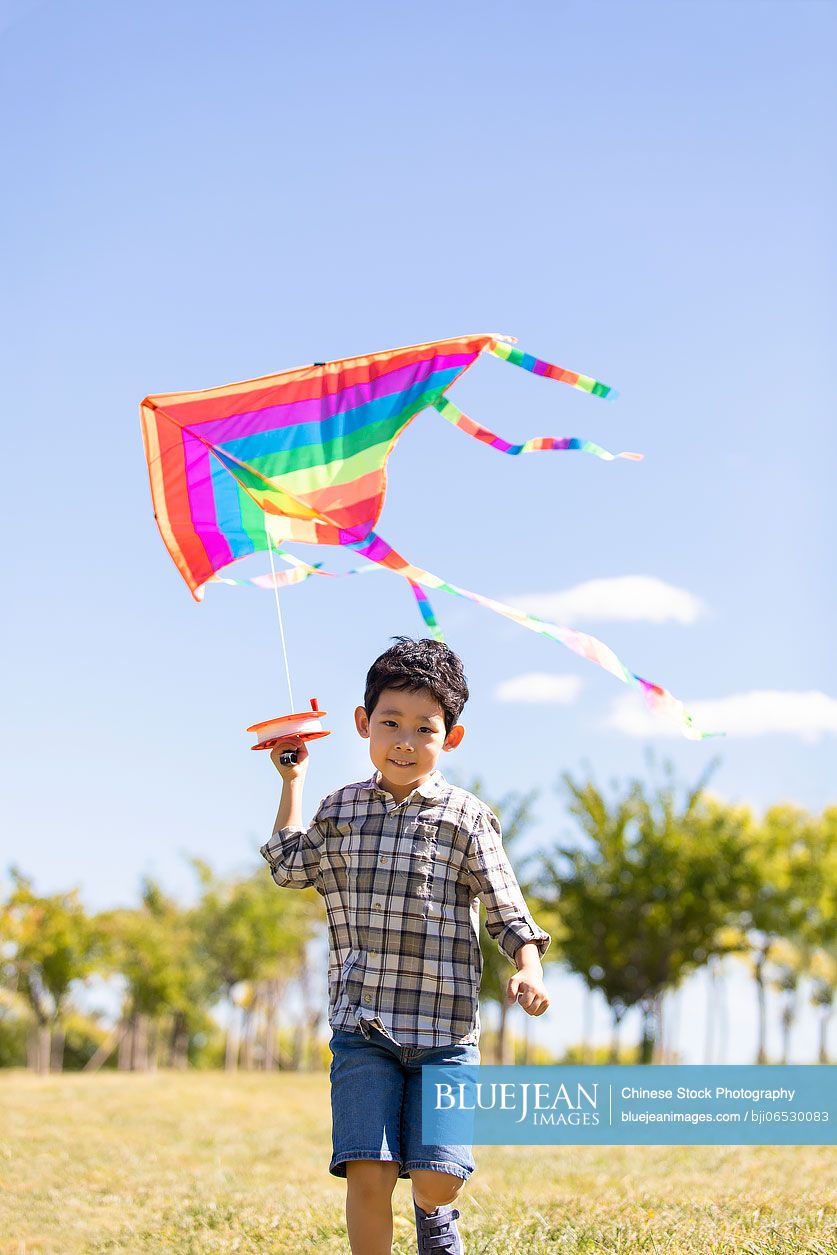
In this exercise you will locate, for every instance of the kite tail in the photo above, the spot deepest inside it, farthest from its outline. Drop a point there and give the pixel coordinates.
(538, 444)
(507, 353)
(302, 571)
(658, 699)
(281, 579)
(426, 610)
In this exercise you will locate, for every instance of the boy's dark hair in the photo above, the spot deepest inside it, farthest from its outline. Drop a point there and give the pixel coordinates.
(414, 665)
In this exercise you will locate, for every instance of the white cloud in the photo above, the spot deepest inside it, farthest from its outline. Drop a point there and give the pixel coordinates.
(540, 687)
(809, 716)
(632, 598)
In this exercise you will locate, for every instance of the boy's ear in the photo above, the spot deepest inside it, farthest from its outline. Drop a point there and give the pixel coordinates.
(362, 722)
(454, 737)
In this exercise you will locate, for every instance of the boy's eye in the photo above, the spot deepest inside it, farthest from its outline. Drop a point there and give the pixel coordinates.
(389, 723)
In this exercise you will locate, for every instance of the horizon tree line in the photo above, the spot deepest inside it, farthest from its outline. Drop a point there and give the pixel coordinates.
(650, 885)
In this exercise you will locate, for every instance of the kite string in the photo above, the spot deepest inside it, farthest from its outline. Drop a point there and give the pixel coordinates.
(279, 611)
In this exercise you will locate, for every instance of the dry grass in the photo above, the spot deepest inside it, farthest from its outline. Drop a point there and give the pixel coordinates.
(202, 1162)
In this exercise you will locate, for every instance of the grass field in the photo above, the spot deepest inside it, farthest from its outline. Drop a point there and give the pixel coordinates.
(203, 1162)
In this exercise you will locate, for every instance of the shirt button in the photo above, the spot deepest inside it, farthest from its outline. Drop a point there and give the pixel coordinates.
(376, 906)
(384, 858)
(367, 997)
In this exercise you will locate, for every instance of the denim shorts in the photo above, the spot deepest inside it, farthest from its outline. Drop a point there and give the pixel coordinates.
(376, 1103)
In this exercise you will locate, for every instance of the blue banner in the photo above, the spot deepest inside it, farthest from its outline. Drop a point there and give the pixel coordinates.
(709, 1105)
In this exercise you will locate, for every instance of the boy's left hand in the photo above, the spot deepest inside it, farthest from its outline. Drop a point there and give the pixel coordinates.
(528, 988)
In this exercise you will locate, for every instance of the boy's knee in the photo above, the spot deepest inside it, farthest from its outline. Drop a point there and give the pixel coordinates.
(372, 1176)
(434, 1188)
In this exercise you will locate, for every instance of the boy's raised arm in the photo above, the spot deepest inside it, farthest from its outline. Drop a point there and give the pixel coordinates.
(293, 853)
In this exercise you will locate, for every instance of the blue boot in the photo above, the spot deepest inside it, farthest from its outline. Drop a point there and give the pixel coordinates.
(437, 1232)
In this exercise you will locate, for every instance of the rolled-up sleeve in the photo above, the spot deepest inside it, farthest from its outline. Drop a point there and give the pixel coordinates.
(507, 917)
(293, 855)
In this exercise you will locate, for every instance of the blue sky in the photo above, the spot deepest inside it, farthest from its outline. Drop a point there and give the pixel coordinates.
(200, 193)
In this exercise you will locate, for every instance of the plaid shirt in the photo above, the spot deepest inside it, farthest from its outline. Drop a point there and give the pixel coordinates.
(401, 883)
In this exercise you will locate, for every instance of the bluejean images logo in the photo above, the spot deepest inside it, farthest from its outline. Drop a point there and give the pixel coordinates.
(536, 1101)
(666, 1105)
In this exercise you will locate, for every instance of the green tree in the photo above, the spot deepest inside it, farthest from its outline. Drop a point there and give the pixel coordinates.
(647, 894)
(50, 943)
(788, 854)
(250, 933)
(154, 948)
(822, 930)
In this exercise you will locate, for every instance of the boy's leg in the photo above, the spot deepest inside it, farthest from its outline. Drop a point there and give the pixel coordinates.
(369, 1187)
(437, 1170)
(433, 1189)
(367, 1088)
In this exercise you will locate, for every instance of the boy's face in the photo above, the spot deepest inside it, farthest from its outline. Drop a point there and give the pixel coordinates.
(406, 734)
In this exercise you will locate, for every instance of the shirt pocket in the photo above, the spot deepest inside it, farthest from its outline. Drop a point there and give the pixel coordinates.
(413, 864)
(447, 881)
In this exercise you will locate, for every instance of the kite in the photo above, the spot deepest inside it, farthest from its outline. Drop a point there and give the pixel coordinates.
(301, 456)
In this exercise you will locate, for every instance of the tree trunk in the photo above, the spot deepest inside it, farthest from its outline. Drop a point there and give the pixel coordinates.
(788, 1017)
(153, 1039)
(270, 1026)
(527, 1040)
(44, 1048)
(250, 1014)
(312, 1058)
(271, 1032)
(311, 1015)
(107, 1048)
(658, 1053)
(711, 1007)
(824, 1020)
(38, 1048)
(181, 1049)
(587, 1024)
(646, 1045)
(614, 1040)
(171, 1047)
(56, 1059)
(504, 1045)
(297, 1043)
(231, 1053)
(124, 1060)
(723, 1017)
(139, 1054)
(178, 1042)
(309, 1022)
(761, 1054)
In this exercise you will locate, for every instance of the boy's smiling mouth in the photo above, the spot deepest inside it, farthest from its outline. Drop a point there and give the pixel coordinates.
(397, 763)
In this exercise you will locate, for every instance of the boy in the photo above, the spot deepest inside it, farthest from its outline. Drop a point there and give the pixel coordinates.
(401, 861)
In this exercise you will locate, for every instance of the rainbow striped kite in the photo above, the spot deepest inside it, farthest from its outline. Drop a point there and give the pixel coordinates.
(301, 456)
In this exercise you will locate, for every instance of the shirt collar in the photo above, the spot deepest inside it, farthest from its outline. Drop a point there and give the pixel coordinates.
(430, 788)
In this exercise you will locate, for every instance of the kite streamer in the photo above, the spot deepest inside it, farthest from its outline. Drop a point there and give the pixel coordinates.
(657, 699)
(538, 444)
(503, 349)
(304, 570)
(582, 643)
(307, 450)
(426, 610)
